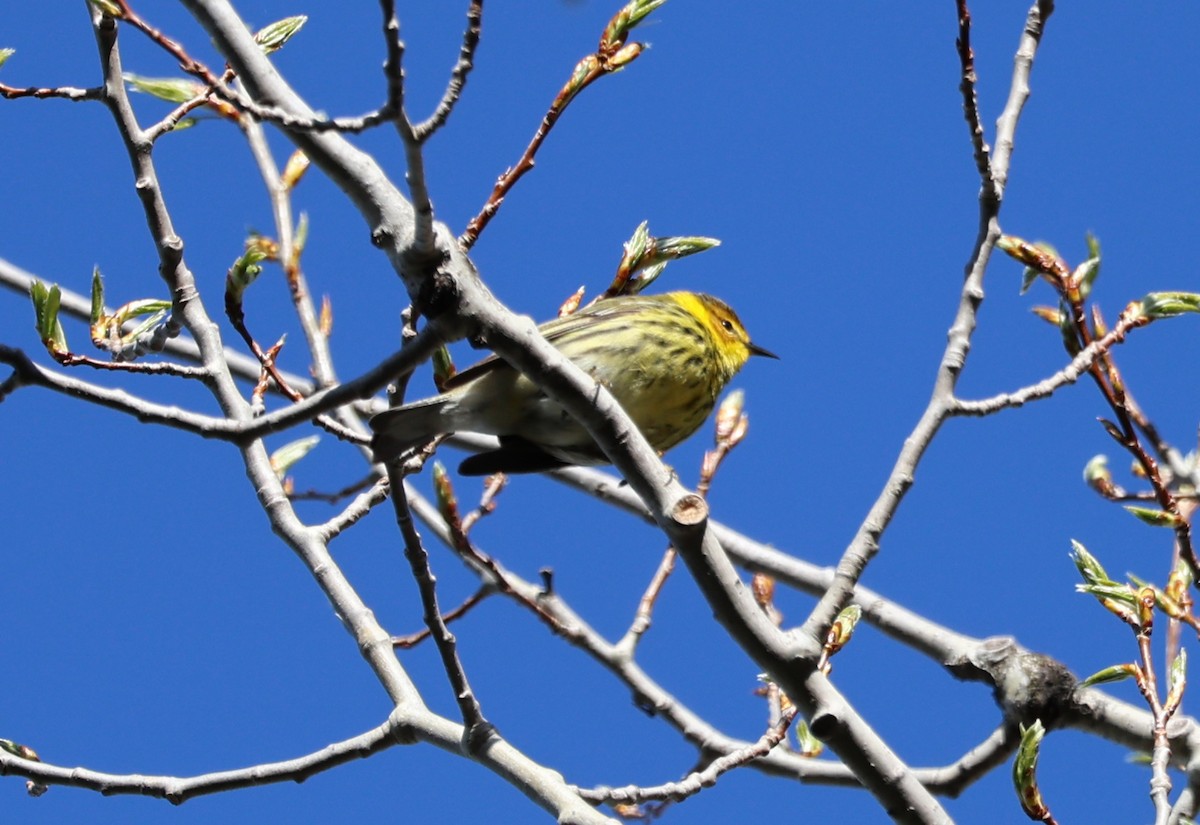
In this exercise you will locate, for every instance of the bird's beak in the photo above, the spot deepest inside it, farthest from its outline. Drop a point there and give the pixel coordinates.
(755, 349)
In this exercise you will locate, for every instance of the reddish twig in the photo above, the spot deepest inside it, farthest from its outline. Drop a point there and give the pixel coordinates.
(218, 84)
(612, 54)
(487, 501)
(731, 426)
(1072, 287)
(413, 639)
(966, 58)
(493, 575)
(233, 309)
(337, 495)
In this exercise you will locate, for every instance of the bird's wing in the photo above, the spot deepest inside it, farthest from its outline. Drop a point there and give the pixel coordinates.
(514, 455)
(552, 331)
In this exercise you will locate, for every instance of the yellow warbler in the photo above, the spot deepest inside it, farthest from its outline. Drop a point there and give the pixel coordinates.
(665, 358)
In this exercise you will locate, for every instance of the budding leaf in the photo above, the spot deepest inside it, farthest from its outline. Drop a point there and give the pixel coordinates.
(625, 55)
(155, 310)
(17, 749)
(97, 296)
(1039, 256)
(447, 501)
(649, 255)
(569, 306)
(272, 38)
(325, 319)
(286, 456)
(108, 7)
(635, 247)
(1025, 771)
(1110, 593)
(296, 166)
(1179, 581)
(1155, 518)
(1096, 471)
(809, 745)
(729, 414)
(649, 275)
(137, 309)
(843, 627)
(1067, 329)
(1088, 565)
(627, 18)
(675, 247)
(1085, 275)
(170, 89)
(1177, 679)
(1113, 430)
(1027, 278)
(1048, 314)
(443, 367)
(1169, 304)
(763, 588)
(45, 309)
(245, 270)
(1116, 673)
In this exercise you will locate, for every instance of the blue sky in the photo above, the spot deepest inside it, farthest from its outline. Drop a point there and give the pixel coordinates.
(156, 625)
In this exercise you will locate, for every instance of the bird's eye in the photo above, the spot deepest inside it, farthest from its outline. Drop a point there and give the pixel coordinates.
(725, 322)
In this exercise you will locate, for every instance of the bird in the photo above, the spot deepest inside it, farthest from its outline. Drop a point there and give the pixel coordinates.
(665, 358)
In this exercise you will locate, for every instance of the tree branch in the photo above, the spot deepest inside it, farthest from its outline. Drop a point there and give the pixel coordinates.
(178, 790)
(866, 541)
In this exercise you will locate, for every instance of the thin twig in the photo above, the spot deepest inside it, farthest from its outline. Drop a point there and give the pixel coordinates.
(1006, 124)
(237, 318)
(219, 85)
(967, 87)
(347, 421)
(730, 427)
(1112, 387)
(698, 780)
(393, 64)
(1069, 374)
(172, 119)
(1069, 285)
(458, 75)
(181, 789)
(71, 359)
(206, 97)
(1147, 682)
(402, 362)
(337, 495)
(558, 616)
(62, 92)
(479, 730)
(77, 306)
(866, 541)
(226, 429)
(487, 501)
(644, 614)
(27, 373)
(424, 241)
(610, 56)
(413, 639)
(358, 508)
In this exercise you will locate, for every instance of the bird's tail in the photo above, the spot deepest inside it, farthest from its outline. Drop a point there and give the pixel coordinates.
(402, 428)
